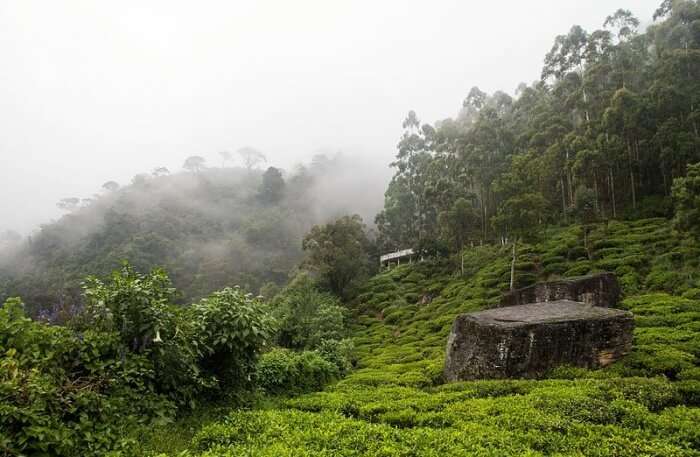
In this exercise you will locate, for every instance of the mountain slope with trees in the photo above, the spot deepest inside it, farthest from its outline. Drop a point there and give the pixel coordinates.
(613, 121)
(208, 227)
(594, 168)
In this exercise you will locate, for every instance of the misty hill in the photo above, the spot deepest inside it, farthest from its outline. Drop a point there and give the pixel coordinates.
(209, 228)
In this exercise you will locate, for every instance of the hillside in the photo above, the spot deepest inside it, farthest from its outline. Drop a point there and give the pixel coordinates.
(268, 331)
(209, 229)
(394, 403)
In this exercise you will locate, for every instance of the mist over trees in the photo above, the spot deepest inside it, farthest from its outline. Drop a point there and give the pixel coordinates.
(208, 226)
(604, 133)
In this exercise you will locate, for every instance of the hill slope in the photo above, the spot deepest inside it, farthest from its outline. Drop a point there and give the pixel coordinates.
(209, 229)
(394, 404)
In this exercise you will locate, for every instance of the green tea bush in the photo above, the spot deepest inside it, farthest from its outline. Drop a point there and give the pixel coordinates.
(393, 403)
(339, 353)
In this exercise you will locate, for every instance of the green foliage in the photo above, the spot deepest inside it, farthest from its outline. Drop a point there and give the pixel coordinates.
(281, 371)
(396, 400)
(307, 316)
(686, 197)
(272, 186)
(604, 133)
(210, 229)
(519, 215)
(130, 358)
(66, 393)
(231, 328)
(612, 123)
(132, 304)
(339, 253)
(559, 417)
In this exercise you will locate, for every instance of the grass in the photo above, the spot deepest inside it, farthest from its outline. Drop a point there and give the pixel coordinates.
(395, 404)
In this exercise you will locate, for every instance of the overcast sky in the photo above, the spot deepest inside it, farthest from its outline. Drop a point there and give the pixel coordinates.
(95, 90)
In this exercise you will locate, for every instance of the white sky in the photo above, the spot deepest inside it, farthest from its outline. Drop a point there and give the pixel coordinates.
(95, 90)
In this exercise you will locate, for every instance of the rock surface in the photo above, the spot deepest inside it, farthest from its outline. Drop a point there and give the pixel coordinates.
(599, 290)
(528, 340)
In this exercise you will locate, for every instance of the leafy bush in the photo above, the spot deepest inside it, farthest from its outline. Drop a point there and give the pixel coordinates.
(67, 393)
(231, 328)
(131, 357)
(307, 316)
(285, 371)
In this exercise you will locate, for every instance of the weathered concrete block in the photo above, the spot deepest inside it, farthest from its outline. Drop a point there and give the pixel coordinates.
(528, 340)
(599, 290)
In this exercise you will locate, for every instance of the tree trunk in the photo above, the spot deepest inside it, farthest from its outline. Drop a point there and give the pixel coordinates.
(595, 188)
(512, 266)
(632, 186)
(586, 229)
(585, 102)
(483, 212)
(563, 197)
(612, 189)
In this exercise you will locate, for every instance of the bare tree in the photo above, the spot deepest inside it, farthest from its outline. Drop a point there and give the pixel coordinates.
(251, 157)
(226, 156)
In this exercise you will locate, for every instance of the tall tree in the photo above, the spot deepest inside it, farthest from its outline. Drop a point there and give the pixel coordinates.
(338, 253)
(272, 186)
(195, 164)
(251, 157)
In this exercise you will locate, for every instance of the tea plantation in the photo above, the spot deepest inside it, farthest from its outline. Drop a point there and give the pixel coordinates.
(394, 402)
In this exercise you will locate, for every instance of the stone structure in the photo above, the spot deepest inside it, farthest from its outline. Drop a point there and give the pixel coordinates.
(598, 290)
(528, 340)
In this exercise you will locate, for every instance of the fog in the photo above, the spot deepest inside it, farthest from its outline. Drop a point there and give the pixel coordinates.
(96, 91)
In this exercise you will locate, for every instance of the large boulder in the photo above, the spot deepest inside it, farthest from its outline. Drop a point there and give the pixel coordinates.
(528, 340)
(599, 290)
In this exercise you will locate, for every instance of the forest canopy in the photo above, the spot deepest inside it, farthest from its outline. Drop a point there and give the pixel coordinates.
(209, 227)
(612, 122)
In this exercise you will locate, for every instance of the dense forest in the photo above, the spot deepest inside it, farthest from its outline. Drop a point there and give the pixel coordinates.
(226, 311)
(208, 226)
(602, 135)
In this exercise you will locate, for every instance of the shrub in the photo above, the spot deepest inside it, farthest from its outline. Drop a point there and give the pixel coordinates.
(231, 328)
(340, 353)
(284, 371)
(65, 393)
(131, 357)
(308, 316)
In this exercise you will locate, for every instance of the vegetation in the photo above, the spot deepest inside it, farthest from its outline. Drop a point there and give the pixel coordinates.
(210, 228)
(614, 119)
(339, 253)
(395, 402)
(130, 358)
(574, 176)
